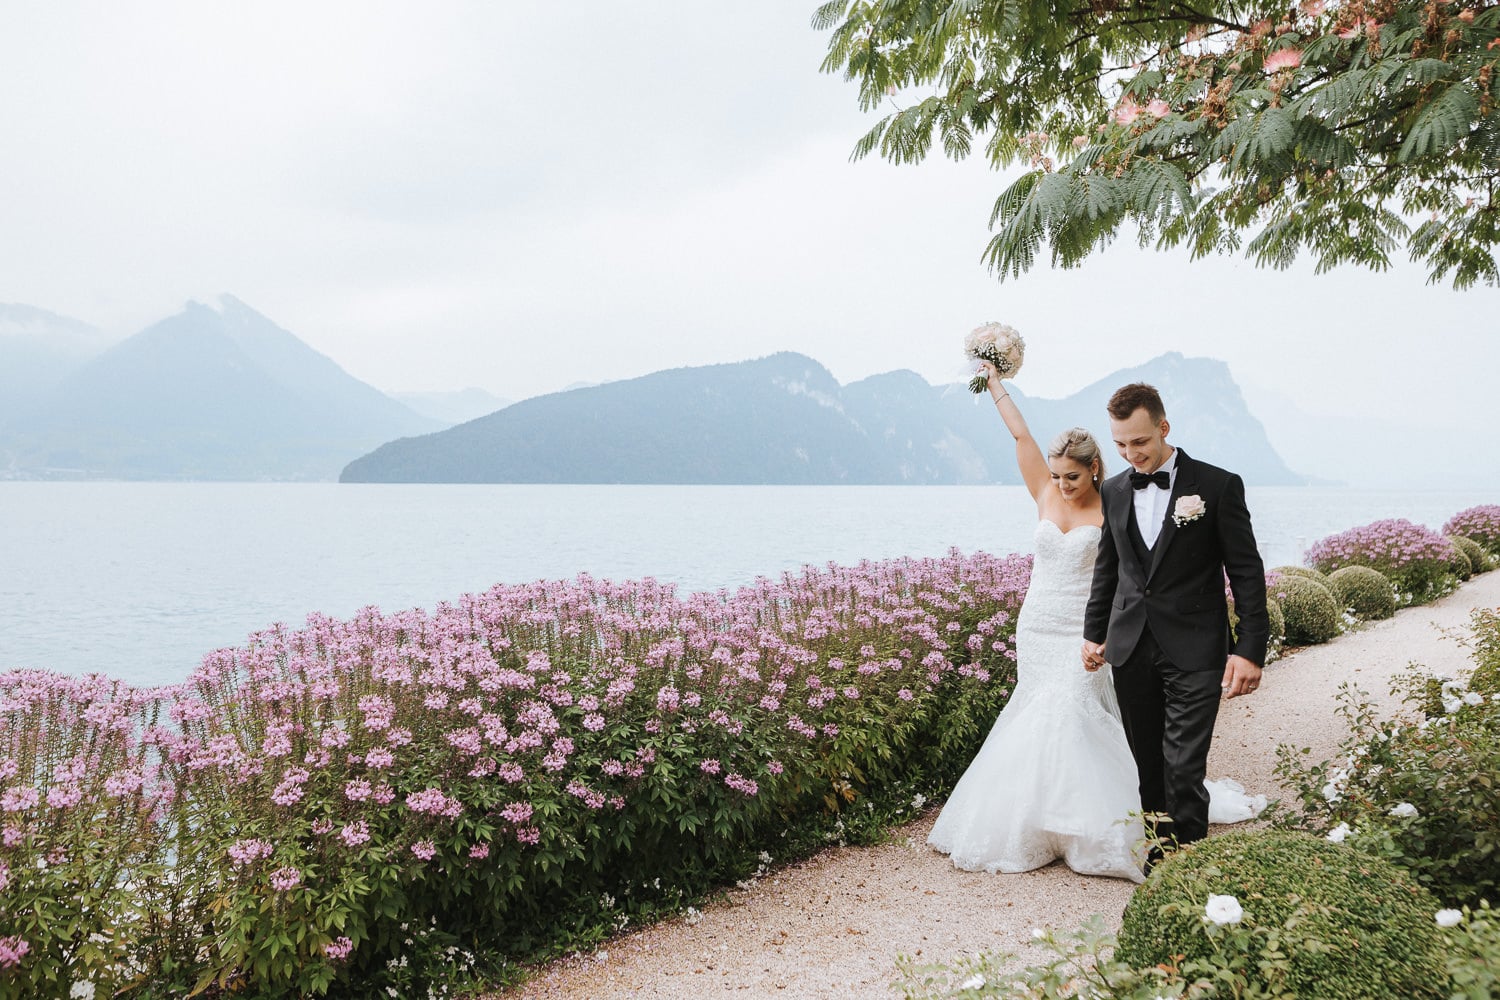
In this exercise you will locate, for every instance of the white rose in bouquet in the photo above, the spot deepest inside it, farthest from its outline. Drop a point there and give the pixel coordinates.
(998, 344)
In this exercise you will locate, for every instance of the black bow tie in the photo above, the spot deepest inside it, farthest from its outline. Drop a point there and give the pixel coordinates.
(1161, 477)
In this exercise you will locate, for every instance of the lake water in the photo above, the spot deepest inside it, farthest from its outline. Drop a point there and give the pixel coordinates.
(139, 580)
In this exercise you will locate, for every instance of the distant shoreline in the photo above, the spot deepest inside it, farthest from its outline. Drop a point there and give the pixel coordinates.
(142, 579)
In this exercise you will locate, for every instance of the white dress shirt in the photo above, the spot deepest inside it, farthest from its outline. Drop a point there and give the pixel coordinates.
(1151, 503)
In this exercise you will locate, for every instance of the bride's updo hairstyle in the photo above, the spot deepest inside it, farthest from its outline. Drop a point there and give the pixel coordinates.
(1079, 445)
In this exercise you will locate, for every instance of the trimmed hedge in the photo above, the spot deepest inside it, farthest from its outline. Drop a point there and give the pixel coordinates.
(1364, 591)
(1278, 628)
(1310, 611)
(1479, 559)
(1306, 572)
(1277, 620)
(1459, 563)
(1374, 920)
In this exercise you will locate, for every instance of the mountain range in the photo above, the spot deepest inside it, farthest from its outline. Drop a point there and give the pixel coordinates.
(214, 392)
(785, 419)
(219, 391)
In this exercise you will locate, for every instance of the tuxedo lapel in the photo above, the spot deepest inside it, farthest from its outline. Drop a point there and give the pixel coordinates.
(1120, 515)
(1186, 484)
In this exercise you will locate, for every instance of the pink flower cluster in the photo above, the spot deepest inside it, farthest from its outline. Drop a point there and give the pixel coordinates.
(434, 802)
(247, 852)
(1482, 524)
(1416, 559)
(285, 879)
(1389, 545)
(12, 950)
(396, 732)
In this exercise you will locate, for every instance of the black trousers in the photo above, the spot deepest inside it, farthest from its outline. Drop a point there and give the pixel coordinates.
(1169, 716)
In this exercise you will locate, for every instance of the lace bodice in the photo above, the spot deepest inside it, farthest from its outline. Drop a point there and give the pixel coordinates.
(1049, 631)
(1064, 564)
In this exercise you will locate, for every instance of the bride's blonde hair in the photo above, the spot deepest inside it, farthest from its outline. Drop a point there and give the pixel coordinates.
(1079, 445)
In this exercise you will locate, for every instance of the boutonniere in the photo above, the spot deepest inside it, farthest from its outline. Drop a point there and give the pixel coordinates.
(1188, 509)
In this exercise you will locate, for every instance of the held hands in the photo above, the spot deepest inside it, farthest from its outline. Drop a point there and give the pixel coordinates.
(1240, 677)
(1093, 655)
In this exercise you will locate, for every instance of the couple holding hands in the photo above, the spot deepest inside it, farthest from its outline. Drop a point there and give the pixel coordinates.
(1132, 568)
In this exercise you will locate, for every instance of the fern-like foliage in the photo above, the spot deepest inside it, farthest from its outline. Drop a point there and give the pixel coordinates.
(1220, 126)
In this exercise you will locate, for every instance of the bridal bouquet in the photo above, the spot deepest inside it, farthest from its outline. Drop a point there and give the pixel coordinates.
(998, 344)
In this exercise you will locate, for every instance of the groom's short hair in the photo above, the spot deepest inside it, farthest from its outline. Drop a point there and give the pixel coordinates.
(1135, 396)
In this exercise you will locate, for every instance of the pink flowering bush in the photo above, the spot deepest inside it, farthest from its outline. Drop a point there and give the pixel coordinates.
(514, 766)
(1480, 524)
(81, 804)
(1416, 559)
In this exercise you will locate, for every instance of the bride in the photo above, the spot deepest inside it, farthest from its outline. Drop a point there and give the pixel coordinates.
(1055, 777)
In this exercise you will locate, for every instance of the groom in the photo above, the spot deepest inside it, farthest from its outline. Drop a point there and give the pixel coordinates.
(1173, 529)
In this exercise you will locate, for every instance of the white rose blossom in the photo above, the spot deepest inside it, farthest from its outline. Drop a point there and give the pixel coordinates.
(1338, 834)
(1403, 810)
(1448, 918)
(974, 982)
(1451, 695)
(1334, 789)
(1223, 910)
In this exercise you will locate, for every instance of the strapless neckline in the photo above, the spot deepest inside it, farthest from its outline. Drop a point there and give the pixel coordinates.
(1056, 527)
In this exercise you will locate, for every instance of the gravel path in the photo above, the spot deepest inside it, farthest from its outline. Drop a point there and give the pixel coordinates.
(831, 926)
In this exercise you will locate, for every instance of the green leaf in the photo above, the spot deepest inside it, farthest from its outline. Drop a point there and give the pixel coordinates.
(1441, 124)
(1268, 138)
(827, 16)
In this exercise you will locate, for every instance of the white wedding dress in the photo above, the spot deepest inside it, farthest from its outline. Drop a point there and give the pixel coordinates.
(1054, 778)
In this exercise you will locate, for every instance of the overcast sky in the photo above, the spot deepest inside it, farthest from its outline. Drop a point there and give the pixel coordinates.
(521, 196)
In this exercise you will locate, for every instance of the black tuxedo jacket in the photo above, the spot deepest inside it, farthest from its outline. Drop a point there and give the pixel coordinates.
(1179, 590)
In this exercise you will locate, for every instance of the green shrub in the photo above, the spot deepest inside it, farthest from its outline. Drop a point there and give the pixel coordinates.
(1311, 614)
(1479, 559)
(1486, 652)
(1277, 621)
(1424, 795)
(1459, 563)
(1474, 954)
(1374, 922)
(1278, 628)
(1364, 591)
(1306, 572)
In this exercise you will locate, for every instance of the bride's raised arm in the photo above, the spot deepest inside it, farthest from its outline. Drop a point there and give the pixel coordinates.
(1033, 465)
